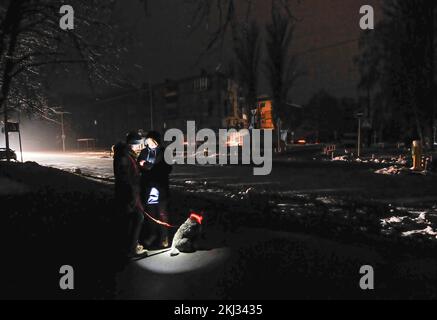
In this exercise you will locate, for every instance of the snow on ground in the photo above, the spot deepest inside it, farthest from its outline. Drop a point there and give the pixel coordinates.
(401, 160)
(390, 170)
(229, 183)
(97, 164)
(409, 222)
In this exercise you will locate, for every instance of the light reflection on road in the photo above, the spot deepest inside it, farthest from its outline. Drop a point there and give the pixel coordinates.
(98, 164)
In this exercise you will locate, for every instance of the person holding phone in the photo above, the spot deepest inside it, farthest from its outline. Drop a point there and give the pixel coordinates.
(155, 187)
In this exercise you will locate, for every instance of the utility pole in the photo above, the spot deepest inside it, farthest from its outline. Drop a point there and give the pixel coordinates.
(359, 115)
(63, 132)
(434, 133)
(19, 135)
(368, 116)
(8, 158)
(278, 125)
(433, 85)
(359, 138)
(63, 136)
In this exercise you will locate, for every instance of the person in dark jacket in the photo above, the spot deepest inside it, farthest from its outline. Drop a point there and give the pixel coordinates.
(127, 189)
(155, 186)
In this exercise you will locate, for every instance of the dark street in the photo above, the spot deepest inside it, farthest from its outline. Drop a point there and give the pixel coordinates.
(220, 154)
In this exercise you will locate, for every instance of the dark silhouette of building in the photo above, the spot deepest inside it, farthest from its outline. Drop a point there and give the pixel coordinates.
(210, 99)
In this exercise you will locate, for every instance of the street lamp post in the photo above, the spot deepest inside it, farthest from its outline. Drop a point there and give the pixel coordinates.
(8, 158)
(63, 136)
(359, 115)
(278, 122)
(19, 135)
(63, 132)
(359, 138)
(434, 140)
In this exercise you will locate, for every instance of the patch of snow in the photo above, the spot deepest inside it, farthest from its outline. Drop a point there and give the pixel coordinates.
(340, 158)
(326, 200)
(393, 170)
(427, 231)
(392, 220)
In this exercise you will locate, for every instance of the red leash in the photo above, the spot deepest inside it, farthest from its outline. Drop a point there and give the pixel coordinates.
(193, 215)
(162, 223)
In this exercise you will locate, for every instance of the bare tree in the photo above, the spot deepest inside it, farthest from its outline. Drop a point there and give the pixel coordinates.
(398, 65)
(32, 45)
(282, 68)
(224, 16)
(227, 16)
(31, 40)
(247, 53)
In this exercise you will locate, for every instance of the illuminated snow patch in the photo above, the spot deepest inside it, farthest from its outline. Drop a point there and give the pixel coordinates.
(185, 262)
(428, 231)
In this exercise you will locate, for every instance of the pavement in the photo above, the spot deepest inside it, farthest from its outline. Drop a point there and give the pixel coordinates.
(247, 262)
(263, 264)
(162, 277)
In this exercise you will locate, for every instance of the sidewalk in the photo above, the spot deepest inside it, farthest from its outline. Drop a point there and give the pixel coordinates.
(262, 264)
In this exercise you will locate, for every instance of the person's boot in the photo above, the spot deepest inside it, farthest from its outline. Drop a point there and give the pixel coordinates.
(165, 241)
(150, 240)
(153, 231)
(138, 252)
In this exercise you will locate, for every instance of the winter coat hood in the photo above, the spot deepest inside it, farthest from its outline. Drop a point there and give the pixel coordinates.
(122, 149)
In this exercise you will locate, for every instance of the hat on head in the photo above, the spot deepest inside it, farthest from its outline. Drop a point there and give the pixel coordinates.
(133, 138)
(154, 135)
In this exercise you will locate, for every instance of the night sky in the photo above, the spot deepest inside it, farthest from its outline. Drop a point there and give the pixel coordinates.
(167, 50)
(325, 40)
(164, 47)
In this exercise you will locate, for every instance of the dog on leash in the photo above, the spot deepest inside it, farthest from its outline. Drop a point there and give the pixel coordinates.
(185, 237)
